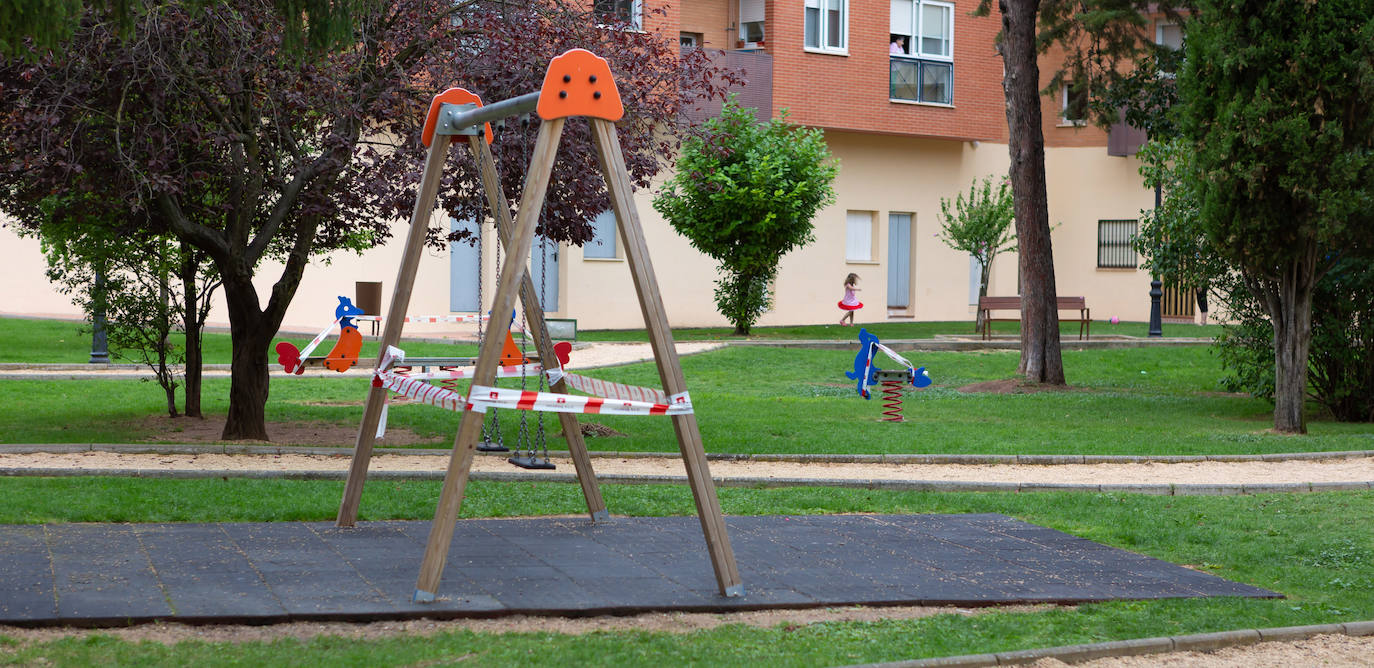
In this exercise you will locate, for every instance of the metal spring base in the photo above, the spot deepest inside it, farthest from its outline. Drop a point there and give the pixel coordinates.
(892, 401)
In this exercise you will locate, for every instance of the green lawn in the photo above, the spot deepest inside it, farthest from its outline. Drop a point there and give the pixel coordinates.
(894, 330)
(63, 341)
(67, 342)
(777, 400)
(1315, 549)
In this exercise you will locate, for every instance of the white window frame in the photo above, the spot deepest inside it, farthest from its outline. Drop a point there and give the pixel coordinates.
(822, 35)
(916, 55)
(755, 16)
(914, 36)
(1159, 39)
(636, 15)
(1064, 120)
(858, 236)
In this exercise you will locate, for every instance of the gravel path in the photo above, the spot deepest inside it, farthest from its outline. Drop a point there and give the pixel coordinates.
(1247, 473)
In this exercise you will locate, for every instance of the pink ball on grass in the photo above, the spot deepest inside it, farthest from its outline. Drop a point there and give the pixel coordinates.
(1115, 320)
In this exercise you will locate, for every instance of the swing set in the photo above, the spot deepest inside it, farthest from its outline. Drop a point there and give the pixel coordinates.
(577, 83)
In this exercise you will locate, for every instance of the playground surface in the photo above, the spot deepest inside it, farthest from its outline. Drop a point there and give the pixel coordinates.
(113, 575)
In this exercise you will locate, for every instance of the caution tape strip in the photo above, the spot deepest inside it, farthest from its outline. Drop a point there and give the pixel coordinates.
(316, 341)
(464, 317)
(516, 371)
(606, 389)
(482, 397)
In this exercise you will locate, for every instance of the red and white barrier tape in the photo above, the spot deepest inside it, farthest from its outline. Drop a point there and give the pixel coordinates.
(422, 392)
(517, 371)
(316, 341)
(463, 317)
(481, 397)
(606, 389)
(868, 368)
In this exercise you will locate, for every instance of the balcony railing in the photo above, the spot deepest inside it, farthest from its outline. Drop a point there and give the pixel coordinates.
(921, 80)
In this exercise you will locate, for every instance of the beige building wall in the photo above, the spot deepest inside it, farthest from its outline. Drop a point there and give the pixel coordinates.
(879, 175)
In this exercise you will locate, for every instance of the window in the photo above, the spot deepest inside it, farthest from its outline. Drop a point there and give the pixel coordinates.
(1114, 249)
(826, 25)
(602, 244)
(689, 39)
(751, 22)
(921, 35)
(858, 239)
(1169, 36)
(1073, 105)
(619, 12)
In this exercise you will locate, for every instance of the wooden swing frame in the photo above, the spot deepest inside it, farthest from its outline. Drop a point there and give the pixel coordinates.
(578, 83)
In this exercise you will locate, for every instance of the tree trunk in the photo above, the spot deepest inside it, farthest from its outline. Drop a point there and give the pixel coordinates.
(191, 325)
(250, 334)
(984, 274)
(1041, 361)
(1290, 310)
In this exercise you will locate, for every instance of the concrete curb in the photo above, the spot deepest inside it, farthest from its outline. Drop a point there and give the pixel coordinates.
(1034, 460)
(942, 486)
(1202, 642)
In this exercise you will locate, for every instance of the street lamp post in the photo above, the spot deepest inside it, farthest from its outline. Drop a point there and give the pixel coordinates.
(1156, 326)
(100, 353)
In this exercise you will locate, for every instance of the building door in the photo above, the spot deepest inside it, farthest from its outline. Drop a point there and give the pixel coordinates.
(899, 261)
(463, 271)
(544, 272)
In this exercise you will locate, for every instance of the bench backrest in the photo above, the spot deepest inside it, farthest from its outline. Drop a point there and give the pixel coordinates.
(1009, 303)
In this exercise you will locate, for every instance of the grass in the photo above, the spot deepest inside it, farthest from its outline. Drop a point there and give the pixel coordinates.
(1315, 549)
(65, 341)
(69, 342)
(774, 400)
(894, 330)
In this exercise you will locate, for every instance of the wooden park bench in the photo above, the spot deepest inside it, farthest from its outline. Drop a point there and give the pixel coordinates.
(986, 305)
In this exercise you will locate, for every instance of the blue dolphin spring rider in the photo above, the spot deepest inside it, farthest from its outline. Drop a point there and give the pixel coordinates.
(867, 373)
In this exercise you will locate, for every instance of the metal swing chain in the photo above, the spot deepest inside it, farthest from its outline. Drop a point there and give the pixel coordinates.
(477, 223)
(543, 294)
(524, 438)
(499, 438)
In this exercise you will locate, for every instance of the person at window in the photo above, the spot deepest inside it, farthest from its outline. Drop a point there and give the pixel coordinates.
(898, 45)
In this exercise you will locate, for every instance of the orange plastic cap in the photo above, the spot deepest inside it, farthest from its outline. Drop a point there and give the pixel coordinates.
(579, 83)
(450, 96)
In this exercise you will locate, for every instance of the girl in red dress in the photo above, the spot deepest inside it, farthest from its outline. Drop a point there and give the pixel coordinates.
(850, 303)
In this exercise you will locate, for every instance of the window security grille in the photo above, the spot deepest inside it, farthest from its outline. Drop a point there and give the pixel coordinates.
(1114, 249)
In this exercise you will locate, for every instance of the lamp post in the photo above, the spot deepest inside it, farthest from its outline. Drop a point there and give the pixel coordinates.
(1156, 291)
(100, 353)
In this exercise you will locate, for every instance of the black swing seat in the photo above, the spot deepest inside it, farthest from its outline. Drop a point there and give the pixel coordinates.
(532, 462)
(488, 446)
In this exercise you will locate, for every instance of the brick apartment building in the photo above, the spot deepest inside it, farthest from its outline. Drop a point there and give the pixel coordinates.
(908, 93)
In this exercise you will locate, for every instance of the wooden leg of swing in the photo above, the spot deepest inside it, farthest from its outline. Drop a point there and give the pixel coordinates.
(665, 355)
(488, 358)
(572, 430)
(391, 331)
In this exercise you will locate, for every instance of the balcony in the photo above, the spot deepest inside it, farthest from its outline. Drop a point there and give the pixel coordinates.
(757, 91)
(920, 80)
